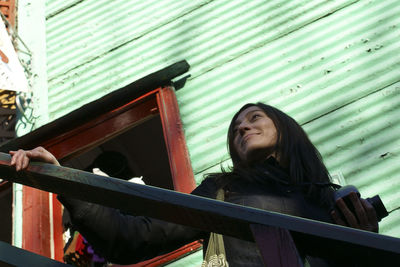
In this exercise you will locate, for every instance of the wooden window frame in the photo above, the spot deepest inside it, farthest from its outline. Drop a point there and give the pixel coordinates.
(7, 7)
(44, 207)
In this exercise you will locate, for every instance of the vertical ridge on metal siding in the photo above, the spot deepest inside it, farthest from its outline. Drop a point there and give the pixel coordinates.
(308, 73)
(207, 35)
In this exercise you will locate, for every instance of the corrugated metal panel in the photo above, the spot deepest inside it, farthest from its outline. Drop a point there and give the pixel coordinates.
(54, 7)
(92, 28)
(337, 76)
(97, 46)
(308, 73)
(361, 140)
(194, 259)
(324, 62)
(370, 162)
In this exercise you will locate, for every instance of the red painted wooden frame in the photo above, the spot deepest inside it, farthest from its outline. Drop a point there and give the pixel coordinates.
(8, 9)
(181, 169)
(38, 232)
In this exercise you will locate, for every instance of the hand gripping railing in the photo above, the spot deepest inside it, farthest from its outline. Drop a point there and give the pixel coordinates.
(273, 232)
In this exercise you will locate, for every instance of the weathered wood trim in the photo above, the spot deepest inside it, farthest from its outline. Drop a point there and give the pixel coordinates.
(92, 110)
(179, 160)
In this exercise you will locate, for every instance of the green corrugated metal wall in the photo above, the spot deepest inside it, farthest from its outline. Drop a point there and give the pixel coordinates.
(333, 65)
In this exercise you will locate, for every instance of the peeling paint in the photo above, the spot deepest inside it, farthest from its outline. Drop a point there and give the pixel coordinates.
(384, 155)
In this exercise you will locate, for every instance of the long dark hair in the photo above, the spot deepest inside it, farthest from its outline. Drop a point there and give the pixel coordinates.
(297, 155)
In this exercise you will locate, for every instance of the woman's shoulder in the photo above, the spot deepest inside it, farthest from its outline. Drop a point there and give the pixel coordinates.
(210, 184)
(207, 188)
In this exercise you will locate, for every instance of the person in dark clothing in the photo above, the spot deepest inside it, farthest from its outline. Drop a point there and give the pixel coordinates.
(113, 164)
(275, 168)
(77, 251)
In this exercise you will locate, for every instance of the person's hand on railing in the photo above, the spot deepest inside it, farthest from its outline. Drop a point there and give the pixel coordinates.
(363, 218)
(21, 158)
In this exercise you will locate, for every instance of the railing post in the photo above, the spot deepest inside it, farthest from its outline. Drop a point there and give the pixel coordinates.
(276, 246)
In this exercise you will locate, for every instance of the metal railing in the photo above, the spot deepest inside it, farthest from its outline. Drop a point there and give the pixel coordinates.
(12, 256)
(317, 238)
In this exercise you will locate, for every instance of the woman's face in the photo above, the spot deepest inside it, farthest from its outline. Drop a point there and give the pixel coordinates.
(254, 135)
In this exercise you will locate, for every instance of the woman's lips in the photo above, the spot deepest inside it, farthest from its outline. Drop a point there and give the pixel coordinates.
(247, 137)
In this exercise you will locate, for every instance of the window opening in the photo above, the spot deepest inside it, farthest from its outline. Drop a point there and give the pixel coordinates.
(123, 144)
(144, 149)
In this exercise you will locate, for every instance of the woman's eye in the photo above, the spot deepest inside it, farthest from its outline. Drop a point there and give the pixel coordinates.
(255, 116)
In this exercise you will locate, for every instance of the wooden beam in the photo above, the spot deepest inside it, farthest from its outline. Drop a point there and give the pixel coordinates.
(316, 238)
(107, 103)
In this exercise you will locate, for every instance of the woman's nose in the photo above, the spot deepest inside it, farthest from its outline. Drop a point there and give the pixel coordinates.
(243, 127)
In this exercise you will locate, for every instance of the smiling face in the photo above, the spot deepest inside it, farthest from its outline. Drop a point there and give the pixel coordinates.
(254, 135)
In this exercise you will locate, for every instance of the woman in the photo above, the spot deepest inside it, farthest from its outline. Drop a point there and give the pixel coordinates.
(275, 167)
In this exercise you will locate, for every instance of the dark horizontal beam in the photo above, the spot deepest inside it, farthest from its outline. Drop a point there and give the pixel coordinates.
(13, 256)
(98, 107)
(319, 239)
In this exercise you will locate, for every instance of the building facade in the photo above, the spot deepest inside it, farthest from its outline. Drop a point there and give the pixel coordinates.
(332, 65)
